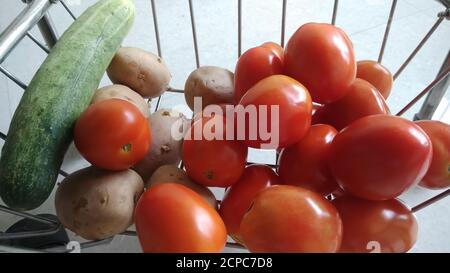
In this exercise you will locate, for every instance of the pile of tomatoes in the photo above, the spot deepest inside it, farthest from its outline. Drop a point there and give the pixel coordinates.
(343, 159)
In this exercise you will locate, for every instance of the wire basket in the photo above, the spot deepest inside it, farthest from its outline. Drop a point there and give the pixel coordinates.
(36, 13)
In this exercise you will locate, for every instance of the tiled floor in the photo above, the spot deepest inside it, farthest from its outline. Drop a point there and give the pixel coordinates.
(216, 22)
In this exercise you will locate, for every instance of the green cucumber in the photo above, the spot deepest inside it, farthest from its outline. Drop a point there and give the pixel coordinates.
(41, 128)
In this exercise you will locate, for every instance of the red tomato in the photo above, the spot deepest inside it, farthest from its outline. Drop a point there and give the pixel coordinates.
(276, 48)
(254, 65)
(379, 157)
(305, 163)
(361, 100)
(370, 226)
(438, 175)
(112, 134)
(291, 219)
(378, 75)
(173, 218)
(294, 108)
(239, 196)
(321, 57)
(213, 161)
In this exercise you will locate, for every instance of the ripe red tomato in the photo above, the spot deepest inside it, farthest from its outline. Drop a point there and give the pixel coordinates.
(213, 161)
(173, 218)
(112, 134)
(378, 75)
(438, 175)
(321, 57)
(361, 100)
(291, 219)
(387, 226)
(276, 48)
(239, 196)
(254, 65)
(287, 126)
(305, 163)
(379, 157)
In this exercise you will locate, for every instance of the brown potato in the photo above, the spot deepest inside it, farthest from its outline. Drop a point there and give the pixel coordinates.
(173, 174)
(166, 148)
(140, 70)
(97, 204)
(118, 91)
(215, 85)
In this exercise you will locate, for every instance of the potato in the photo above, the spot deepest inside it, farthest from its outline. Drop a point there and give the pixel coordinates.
(97, 204)
(140, 70)
(215, 85)
(173, 174)
(165, 149)
(118, 91)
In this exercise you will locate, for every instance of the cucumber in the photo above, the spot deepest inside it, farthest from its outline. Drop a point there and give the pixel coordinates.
(41, 128)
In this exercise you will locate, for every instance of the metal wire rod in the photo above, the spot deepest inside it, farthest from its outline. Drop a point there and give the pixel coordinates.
(283, 22)
(239, 28)
(418, 47)
(19, 27)
(156, 28)
(235, 245)
(63, 3)
(435, 96)
(431, 201)
(158, 42)
(84, 245)
(335, 10)
(129, 233)
(175, 90)
(194, 33)
(386, 31)
(425, 91)
(40, 219)
(36, 41)
(229, 244)
(30, 234)
(48, 30)
(13, 78)
(2, 136)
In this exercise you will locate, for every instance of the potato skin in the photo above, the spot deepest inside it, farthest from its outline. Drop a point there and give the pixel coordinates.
(214, 84)
(173, 174)
(97, 204)
(118, 91)
(165, 149)
(140, 70)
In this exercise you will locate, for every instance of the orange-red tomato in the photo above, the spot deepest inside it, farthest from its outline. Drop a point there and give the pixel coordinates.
(239, 196)
(379, 157)
(173, 218)
(291, 104)
(438, 175)
(112, 134)
(276, 48)
(254, 65)
(378, 75)
(209, 160)
(376, 226)
(305, 163)
(361, 100)
(291, 219)
(321, 57)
